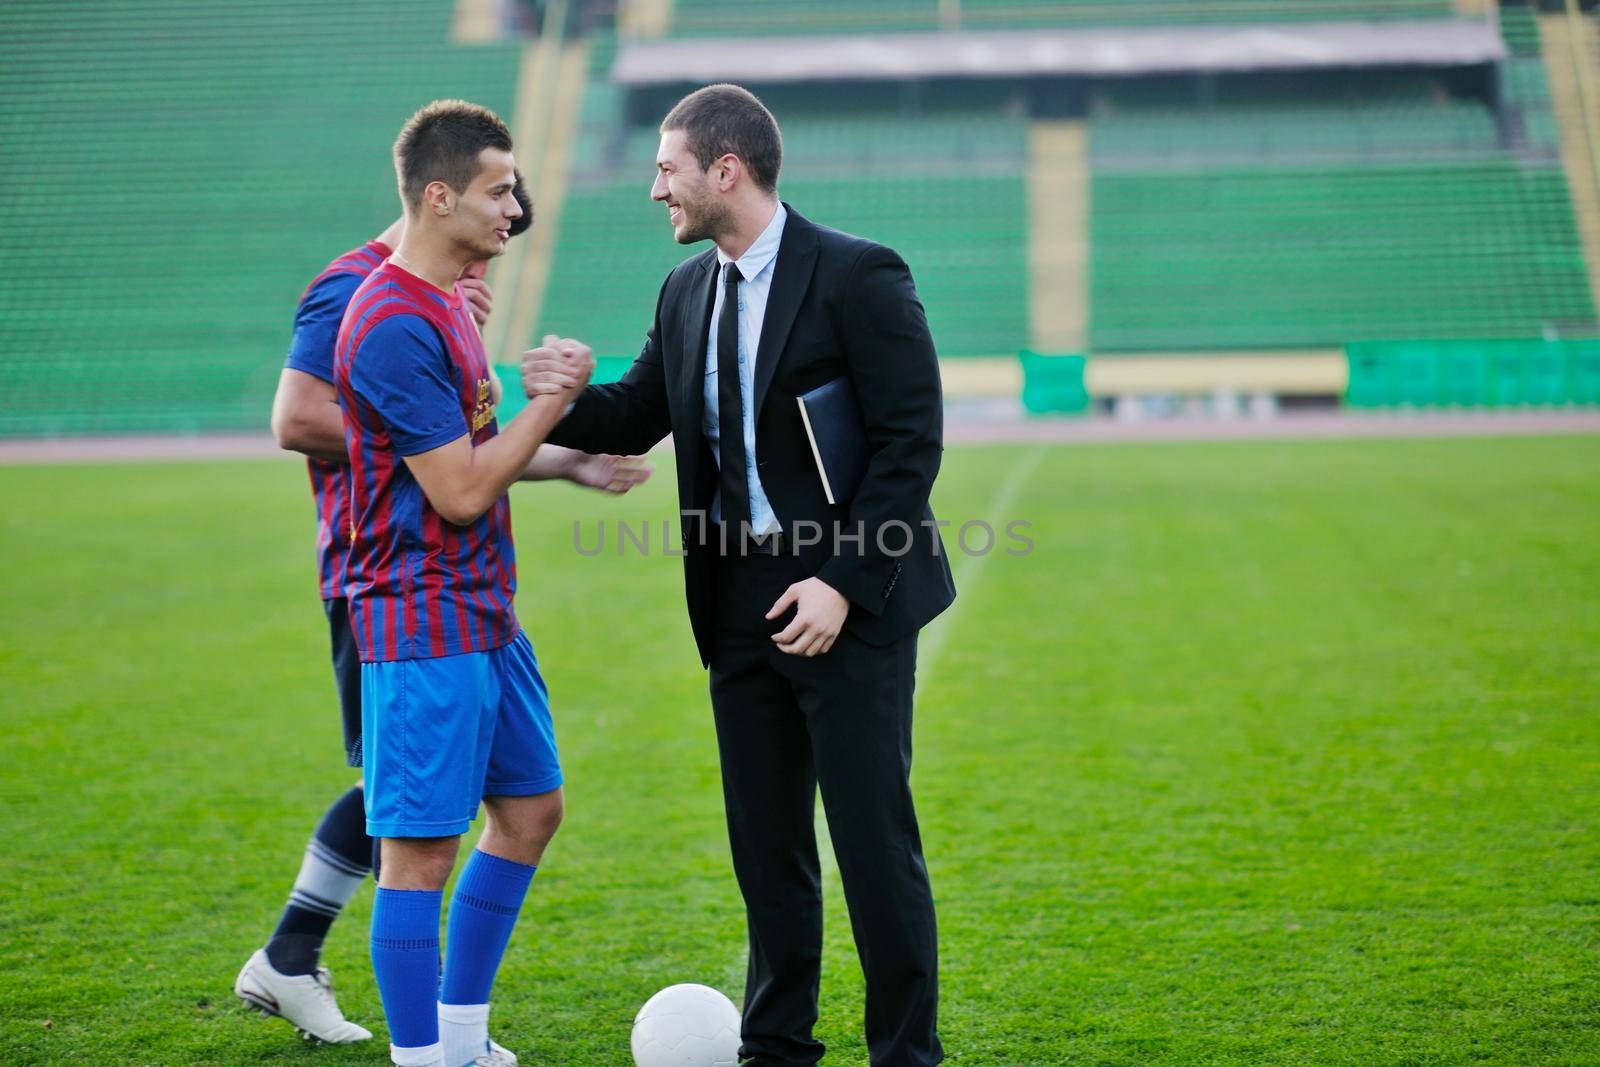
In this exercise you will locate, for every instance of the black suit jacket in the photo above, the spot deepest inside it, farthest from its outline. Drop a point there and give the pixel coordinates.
(838, 305)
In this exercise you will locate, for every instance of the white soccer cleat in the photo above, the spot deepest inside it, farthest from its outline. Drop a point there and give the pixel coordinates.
(497, 1056)
(304, 1000)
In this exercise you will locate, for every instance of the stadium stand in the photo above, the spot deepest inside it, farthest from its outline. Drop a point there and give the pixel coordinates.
(1402, 212)
(1525, 82)
(1571, 47)
(174, 174)
(1306, 254)
(1304, 134)
(1431, 213)
(948, 193)
(219, 154)
(739, 17)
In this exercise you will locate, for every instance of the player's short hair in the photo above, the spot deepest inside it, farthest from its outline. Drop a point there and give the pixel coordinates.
(441, 142)
(525, 202)
(725, 119)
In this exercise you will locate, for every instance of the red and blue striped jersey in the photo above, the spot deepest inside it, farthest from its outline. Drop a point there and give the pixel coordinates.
(412, 376)
(316, 328)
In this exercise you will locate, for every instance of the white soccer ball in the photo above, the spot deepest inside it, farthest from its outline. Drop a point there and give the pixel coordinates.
(686, 1025)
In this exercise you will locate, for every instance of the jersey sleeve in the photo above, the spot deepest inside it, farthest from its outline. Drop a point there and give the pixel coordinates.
(402, 371)
(316, 325)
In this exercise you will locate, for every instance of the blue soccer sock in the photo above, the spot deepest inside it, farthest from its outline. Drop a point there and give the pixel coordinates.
(405, 959)
(483, 912)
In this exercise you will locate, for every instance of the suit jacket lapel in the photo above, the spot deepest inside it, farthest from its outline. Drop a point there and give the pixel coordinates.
(695, 332)
(797, 259)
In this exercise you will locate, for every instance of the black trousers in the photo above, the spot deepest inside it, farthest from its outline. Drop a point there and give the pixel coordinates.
(787, 725)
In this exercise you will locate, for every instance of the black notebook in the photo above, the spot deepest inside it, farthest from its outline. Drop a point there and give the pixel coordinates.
(838, 437)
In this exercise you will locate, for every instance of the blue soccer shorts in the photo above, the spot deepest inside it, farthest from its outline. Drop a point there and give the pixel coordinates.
(441, 734)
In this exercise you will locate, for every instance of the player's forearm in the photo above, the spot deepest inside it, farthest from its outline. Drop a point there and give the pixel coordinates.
(504, 459)
(312, 428)
(551, 463)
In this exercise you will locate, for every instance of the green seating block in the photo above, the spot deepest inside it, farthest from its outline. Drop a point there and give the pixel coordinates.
(1494, 373)
(1371, 383)
(1054, 384)
(1463, 377)
(1416, 377)
(1545, 376)
(1583, 375)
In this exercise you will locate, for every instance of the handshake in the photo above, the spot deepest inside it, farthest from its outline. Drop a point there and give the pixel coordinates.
(559, 367)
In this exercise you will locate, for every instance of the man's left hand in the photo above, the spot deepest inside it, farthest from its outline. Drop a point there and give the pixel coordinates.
(820, 611)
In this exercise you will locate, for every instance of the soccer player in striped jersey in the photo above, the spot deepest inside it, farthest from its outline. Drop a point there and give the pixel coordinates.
(454, 710)
(284, 978)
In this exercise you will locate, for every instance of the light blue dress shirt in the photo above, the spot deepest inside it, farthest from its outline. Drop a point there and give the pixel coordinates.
(757, 265)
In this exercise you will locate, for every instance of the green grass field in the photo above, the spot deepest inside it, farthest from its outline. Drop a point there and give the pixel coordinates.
(1269, 753)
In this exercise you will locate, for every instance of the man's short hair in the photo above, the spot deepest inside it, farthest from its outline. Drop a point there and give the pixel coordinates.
(521, 225)
(724, 119)
(441, 143)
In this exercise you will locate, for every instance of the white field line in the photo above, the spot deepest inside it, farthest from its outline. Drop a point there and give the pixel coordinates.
(969, 569)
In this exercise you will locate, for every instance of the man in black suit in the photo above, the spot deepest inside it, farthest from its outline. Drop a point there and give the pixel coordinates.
(806, 613)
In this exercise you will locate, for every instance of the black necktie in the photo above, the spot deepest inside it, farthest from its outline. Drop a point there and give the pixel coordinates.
(730, 407)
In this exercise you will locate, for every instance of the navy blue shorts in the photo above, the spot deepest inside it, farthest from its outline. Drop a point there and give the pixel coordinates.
(346, 675)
